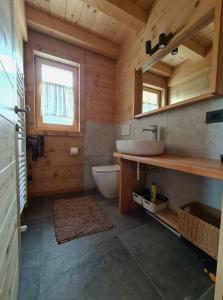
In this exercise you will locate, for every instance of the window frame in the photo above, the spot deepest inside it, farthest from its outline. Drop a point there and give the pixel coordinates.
(75, 69)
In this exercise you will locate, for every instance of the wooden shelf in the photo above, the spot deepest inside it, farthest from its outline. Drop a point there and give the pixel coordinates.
(176, 105)
(169, 217)
(197, 166)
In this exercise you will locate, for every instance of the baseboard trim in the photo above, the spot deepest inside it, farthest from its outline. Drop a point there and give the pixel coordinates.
(56, 193)
(61, 194)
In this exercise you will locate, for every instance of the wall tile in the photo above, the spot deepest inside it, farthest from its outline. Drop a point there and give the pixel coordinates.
(98, 148)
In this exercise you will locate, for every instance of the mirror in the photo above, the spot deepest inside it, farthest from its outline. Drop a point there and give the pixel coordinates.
(151, 91)
(181, 77)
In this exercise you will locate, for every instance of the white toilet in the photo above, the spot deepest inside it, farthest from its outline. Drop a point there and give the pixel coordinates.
(106, 179)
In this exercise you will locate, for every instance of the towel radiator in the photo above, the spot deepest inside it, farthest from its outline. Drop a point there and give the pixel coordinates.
(21, 109)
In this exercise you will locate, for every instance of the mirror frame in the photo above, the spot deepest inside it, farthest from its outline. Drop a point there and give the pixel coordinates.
(216, 78)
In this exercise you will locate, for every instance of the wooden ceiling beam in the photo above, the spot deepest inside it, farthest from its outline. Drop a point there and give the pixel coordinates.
(50, 25)
(161, 69)
(125, 11)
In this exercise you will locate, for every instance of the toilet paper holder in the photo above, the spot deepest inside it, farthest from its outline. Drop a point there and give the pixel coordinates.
(73, 151)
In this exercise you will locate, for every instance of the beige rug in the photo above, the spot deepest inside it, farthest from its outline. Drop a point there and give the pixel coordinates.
(77, 217)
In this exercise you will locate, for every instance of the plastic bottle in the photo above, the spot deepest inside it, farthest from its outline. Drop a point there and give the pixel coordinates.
(153, 192)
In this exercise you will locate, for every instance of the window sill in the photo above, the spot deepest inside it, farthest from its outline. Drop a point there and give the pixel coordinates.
(44, 131)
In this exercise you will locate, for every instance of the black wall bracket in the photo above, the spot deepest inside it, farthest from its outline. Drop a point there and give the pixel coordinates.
(163, 41)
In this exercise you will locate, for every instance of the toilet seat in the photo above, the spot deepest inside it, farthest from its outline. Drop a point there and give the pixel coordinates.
(101, 169)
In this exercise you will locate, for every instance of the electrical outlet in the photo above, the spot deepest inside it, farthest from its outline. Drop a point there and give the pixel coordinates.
(215, 116)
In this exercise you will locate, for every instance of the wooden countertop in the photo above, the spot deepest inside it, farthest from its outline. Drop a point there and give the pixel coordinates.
(197, 166)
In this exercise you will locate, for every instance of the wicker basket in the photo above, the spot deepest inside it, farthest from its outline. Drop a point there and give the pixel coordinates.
(200, 224)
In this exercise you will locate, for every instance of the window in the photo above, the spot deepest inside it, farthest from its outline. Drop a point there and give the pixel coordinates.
(57, 95)
(150, 99)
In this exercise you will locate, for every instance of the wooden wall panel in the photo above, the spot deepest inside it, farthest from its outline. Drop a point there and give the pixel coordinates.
(100, 89)
(58, 172)
(7, 100)
(197, 85)
(8, 211)
(7, 143)
(9, 206)
(8, 191)
(166, 16)
(11, 279)
(7, 235)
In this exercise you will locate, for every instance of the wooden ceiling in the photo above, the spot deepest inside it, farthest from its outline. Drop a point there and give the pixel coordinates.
(92, 15)
(103, 25)
(205, 36)
(146, 4)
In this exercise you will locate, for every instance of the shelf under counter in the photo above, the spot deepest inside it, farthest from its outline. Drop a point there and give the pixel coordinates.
(169, 217)
(198, 166)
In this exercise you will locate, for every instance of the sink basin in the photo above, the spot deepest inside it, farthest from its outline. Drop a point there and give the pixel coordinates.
(140, 147)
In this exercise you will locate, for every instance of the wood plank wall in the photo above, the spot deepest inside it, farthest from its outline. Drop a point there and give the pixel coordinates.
(166, 16)
(100, 91)
(9, 211)
(58, 172)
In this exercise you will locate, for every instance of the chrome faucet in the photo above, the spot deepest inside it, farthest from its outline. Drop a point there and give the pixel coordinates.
(154, 130)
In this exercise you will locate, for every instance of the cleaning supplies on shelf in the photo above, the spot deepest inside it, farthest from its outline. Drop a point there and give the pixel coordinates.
(153, 192)
(154, 207)
(144, 199)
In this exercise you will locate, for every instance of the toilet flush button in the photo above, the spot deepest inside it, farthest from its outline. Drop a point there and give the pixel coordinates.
(73, 151)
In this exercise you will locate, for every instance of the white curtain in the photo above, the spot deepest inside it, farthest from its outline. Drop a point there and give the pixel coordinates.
(148, 106)
(57, 100)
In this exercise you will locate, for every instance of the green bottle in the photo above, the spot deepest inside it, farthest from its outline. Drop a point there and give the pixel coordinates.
(153, 192)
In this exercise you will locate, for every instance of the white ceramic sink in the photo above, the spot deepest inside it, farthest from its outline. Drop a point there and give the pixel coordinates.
(140, 147)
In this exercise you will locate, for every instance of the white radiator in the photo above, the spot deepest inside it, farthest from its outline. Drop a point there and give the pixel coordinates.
(21, 110)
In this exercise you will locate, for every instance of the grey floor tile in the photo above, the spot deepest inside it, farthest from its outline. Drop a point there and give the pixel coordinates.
(122, 222)
(49, 238)
(97, 196)
(32, 239)
(31, 259)
(105, 272)
(48, 208)
(30, 283)
(209, 294)
(173, 267)
(35, 209)
(77, 246)
(100, 266)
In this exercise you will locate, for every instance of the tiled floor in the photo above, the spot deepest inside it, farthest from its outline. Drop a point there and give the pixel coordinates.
(138, 259)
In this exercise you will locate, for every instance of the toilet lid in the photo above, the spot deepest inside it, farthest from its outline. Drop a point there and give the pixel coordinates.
(111, 168)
